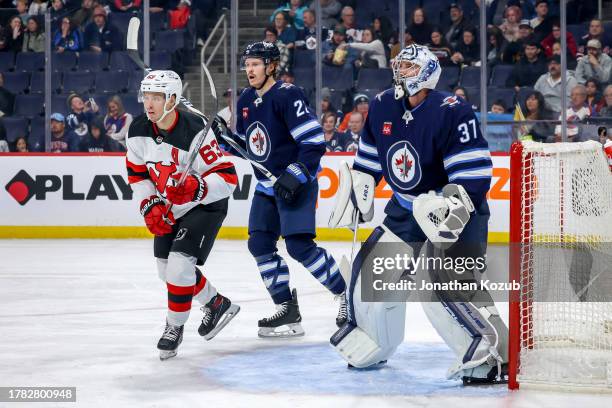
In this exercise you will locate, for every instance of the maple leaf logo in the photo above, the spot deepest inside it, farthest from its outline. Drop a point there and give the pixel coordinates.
(404, 165)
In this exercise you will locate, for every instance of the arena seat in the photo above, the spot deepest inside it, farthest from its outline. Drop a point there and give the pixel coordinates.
(17, 82)
(15, 126)
(111, 82)
(93, 61)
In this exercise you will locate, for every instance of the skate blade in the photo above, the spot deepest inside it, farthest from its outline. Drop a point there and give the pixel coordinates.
(166, 354)
(292, 330)
(229, 314)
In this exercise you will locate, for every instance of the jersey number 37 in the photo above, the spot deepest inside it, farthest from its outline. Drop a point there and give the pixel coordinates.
(465, 131)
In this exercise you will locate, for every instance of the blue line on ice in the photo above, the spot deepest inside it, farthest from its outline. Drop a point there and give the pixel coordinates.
(416, 369)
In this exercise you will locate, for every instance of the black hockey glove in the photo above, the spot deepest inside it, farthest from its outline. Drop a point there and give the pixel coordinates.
(219, 127)
(291, 182)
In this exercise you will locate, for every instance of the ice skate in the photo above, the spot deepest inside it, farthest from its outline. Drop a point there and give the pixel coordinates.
(285, 322)
(217, 314)
(169, 341)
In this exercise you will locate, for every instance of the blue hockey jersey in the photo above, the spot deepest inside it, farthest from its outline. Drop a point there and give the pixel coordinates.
(424, 148)
(278, 129)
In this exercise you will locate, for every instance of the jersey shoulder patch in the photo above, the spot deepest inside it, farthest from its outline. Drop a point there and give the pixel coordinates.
(140, 127)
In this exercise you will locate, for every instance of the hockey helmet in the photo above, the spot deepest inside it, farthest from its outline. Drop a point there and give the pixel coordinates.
(167, 82)
(266, 51)
(415, 68)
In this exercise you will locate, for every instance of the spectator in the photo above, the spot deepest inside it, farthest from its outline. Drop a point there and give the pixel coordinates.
(334, 141)
(594, 64)
(347, 19)
(67, 38)
(462, 93)
(4, 146)
(514, 49)
(541, 23)
(21, 145)
(179, 17)
(117, 121)
(34, 38)
(576, 112)
(7, 99)
(329, 11)
(306, 37)
(355, 124)
(271, 35)
(361, 104)
(594, 99)
(83, 15)
(535, 109)
(100, 35)
(127, 5)
(440, 47)
(97, 141)
(383, 30)
(81, 114)
(22, 11)
(555, 35)
(397, 46)
(371, 51)
(14, 35)
(327, 106)
(62, 139)
(606, 110)
(495, 47)
(295, 12)
(596, 32)
(287, 77)
(498, 107)
(333, 54)
(38, 7)
(571, 61)
(419, 27)
(510, 26)
(531, 67)
(549, 84)
(286, 34)
(468, 51)
(57, 11)
(459, 24)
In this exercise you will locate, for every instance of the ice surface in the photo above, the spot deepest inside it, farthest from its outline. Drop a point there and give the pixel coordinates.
(88, 313)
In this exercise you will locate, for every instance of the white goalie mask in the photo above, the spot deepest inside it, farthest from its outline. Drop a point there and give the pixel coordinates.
(167, 82)
(415, 68)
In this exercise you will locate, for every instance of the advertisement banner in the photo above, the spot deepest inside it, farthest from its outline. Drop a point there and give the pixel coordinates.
(82, 190)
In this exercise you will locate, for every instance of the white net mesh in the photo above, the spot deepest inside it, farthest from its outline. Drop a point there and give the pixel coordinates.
(566, 276)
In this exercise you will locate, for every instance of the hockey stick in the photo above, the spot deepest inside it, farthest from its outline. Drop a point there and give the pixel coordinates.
(132, 50)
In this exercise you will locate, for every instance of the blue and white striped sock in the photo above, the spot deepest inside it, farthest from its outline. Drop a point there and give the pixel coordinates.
(325, 269)
(275, 274)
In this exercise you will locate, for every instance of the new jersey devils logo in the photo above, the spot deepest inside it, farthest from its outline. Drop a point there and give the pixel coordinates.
(160, 174)
(403, 165)
(258, 142)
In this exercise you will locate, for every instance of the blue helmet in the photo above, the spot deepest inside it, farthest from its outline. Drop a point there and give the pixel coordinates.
(266, 51)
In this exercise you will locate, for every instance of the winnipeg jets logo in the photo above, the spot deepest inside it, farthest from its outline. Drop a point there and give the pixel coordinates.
(258, 141)
(407, 116)
(258, 101)
(286, 85)
(450, 101)
(403, 165)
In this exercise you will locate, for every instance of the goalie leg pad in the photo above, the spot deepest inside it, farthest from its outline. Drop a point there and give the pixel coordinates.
(374, 330)
(355, 192)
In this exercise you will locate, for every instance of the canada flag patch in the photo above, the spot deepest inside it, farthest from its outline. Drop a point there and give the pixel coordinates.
(386, 129)
(245, 113)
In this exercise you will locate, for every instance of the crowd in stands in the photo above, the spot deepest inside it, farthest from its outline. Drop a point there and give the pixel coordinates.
(360, 38)
(94, 83)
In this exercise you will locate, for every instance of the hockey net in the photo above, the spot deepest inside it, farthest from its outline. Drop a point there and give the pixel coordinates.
(560, 234)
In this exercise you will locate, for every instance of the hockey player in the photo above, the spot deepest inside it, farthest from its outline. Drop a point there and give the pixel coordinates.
(429, 148)
(278, 130)
(158, 145)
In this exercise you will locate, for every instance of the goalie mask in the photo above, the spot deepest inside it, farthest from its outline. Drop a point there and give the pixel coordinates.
(166, 82)
(415, 68)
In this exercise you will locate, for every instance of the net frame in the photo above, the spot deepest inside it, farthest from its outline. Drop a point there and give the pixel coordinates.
(558, 344)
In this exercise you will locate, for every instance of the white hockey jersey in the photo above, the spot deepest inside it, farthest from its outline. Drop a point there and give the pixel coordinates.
(156, 157)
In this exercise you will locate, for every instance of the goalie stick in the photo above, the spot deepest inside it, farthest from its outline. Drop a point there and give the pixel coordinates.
(132, 51)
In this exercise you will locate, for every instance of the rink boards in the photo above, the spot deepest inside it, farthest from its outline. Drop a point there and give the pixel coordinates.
(87, 196)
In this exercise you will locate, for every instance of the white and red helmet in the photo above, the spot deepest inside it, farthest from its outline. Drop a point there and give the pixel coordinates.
(167, 82)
